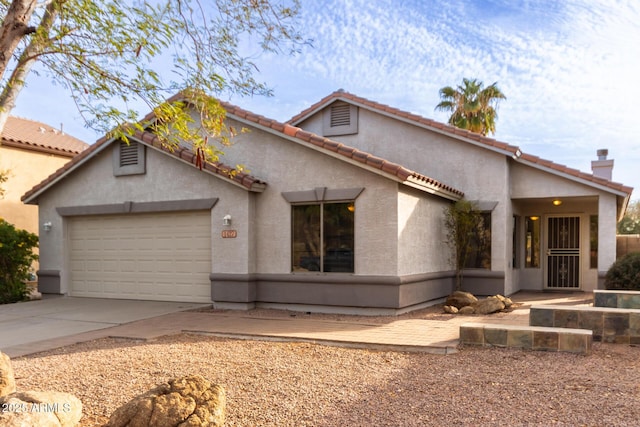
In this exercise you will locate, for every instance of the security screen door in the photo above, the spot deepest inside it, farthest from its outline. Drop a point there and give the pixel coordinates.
(563, 252)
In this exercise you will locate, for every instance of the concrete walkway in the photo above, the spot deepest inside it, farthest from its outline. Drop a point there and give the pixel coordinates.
(56, 322)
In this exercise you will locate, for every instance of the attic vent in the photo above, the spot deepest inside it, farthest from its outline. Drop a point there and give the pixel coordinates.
(128, 153)
(128, 159)
(340, 115)
(340, 118)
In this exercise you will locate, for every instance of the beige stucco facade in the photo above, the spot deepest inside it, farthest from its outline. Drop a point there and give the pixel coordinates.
(25, 168)
(398, 173)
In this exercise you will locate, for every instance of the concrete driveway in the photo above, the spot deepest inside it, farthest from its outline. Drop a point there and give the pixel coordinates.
(53, 317)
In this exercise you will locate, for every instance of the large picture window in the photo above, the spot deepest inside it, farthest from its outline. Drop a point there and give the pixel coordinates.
(323, 237)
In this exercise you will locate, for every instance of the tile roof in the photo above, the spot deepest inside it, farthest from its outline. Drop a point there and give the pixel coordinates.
(512, 150)
(241, 178)
(398, 171)
(31, 135)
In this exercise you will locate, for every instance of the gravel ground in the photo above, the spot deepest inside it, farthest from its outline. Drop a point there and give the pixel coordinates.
(300, 384)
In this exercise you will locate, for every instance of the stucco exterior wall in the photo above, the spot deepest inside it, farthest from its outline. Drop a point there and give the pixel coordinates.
(166, 179)
(288, 167)
(422, 242)
(26, 168)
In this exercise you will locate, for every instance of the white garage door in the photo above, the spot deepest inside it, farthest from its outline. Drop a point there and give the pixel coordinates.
(159, 256)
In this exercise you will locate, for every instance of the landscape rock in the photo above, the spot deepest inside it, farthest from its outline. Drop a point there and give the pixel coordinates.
(466, 310)
(488, 305)
(460, 299)
(40, 408)
(186, 401)
(7, 380)
(450, 309)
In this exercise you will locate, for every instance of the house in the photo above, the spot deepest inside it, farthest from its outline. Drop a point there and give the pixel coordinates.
(29, 152)
(343, 209)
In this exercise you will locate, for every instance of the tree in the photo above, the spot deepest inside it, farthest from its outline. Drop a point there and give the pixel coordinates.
(462, 220)
(472, 106)
(115, 55)
(630, 223)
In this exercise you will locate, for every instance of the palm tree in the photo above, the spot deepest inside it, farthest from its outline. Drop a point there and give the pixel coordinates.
(472, 107)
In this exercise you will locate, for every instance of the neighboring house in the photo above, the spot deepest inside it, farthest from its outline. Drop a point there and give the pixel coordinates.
(29, 152)
(346, 214)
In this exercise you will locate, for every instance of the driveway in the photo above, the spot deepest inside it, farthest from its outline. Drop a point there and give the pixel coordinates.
(53, 317)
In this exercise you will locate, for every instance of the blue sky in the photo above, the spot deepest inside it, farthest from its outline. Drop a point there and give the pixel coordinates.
(568, 68)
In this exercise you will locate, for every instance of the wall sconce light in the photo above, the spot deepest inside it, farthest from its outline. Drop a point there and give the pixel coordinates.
(351, 207)
(47, 226)
(557, 202)
(534, 218)
(226, 220)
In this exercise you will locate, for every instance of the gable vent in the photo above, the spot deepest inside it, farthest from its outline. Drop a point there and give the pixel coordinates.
(340, 115)
(340, 118)
(128, 153)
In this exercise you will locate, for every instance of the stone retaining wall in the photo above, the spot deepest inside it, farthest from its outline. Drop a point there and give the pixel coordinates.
(528, 337)
(611, 325)
(616, 299)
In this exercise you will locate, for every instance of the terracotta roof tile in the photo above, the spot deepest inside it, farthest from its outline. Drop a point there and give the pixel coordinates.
(186, 154)
(346, 96)
(31, 135)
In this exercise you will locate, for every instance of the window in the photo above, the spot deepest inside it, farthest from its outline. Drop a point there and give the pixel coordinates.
(480, 255)
(340, 118)
(323, 237)
(532, 242)
(593, 241)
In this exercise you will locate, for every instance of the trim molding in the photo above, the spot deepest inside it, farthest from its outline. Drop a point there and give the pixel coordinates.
(139, 207)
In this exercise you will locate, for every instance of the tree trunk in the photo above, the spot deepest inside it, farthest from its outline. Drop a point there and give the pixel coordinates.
(28, 57)
(14, 28)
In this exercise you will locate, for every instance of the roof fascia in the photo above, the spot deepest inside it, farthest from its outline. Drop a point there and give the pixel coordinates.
(38, 148)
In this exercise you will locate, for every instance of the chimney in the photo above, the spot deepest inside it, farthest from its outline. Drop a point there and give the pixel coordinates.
(602, 167)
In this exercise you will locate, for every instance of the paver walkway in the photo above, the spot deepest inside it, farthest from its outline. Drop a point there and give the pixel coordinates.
(433, 336)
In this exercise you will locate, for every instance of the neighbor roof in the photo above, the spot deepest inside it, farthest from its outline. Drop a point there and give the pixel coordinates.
(31, 135)
(475, 138)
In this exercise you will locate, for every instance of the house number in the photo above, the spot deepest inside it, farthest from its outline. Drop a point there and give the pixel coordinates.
(229, 234)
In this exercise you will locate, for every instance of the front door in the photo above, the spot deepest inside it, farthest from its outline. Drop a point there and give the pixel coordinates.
(563, 252)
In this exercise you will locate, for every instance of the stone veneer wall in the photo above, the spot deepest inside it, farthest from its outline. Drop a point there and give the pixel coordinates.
(616, 299)
(611, 325)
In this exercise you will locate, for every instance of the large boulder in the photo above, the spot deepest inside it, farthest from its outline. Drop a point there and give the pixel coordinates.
(460, 299)
(40, 408)
(186, 401)
(488, 305)
(7, 380)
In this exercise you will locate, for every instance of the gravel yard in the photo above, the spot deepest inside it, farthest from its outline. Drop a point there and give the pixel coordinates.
(300, 384)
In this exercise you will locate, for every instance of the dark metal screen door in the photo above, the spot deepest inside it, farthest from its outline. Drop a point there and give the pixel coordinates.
(563, 253)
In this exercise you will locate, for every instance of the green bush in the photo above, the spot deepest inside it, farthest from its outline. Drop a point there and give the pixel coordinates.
(16, 256)
(624, 274)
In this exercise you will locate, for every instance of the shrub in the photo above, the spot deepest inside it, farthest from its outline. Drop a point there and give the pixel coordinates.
(624, 274)
(16, 256)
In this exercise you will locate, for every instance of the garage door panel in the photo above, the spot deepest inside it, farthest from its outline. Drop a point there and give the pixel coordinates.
(163, 257)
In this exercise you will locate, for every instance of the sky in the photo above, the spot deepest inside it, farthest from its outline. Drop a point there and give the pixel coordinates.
(567, 67)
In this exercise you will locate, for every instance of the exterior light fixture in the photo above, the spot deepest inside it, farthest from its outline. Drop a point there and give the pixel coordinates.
(226, 220)
(534, 218)
(47, 226)
(557, 202)
(351, 207)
